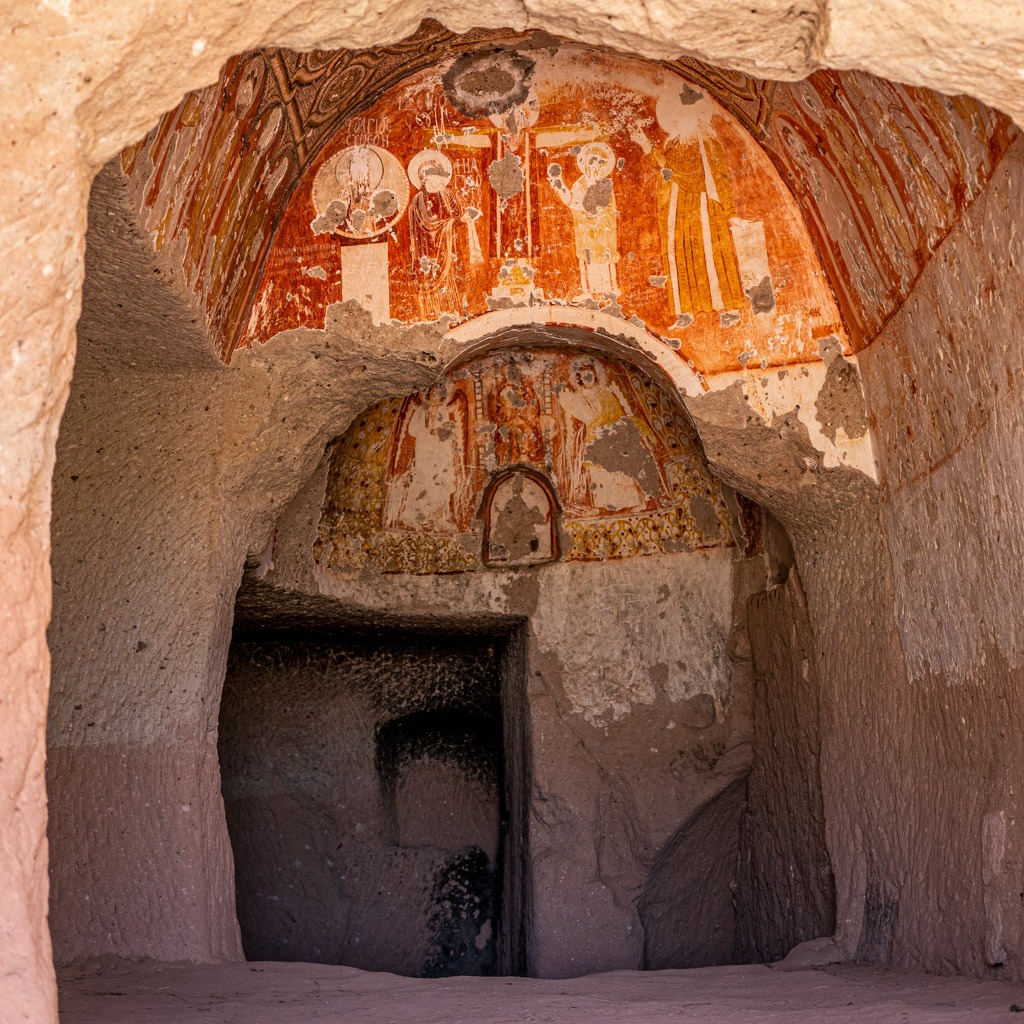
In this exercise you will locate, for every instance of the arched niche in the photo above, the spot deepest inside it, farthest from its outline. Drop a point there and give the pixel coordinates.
(520, 520)
(617, 560)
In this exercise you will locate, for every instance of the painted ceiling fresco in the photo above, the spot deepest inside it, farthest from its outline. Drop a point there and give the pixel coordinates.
(216, 173)
(516, 458)
(510, 179)
(880, 172)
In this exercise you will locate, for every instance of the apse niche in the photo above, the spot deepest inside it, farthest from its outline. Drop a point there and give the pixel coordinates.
(597, 221)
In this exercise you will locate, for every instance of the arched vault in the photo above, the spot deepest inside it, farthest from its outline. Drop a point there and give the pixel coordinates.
(805, 214)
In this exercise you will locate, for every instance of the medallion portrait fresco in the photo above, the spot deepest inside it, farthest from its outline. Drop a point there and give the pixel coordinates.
(516, 458)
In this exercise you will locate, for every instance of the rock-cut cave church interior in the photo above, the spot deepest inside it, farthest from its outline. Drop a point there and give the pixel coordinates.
(511, 523)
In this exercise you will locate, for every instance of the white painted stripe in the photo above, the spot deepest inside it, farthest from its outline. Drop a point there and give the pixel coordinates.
(717, 302)
(673, 270)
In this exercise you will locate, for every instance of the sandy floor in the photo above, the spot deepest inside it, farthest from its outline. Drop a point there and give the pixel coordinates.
(271, 993)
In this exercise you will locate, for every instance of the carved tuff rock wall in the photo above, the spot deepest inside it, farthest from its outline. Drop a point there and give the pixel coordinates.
(630, 692)
(951, 513)
(909, 585)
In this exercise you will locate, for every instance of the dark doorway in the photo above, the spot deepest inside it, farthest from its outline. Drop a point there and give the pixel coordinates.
(373, 791)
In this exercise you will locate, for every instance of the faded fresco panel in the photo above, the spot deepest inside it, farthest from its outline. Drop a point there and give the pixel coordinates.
(880, 172)
(517, 458)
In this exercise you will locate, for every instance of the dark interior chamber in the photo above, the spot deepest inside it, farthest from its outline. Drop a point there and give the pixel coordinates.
(373, 817)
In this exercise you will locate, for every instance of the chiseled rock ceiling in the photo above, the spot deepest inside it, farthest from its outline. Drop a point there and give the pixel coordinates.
(803, 212)
(518, 457)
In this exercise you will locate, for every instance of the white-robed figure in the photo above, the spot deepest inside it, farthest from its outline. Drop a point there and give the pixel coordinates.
(591, 199)
(593, 406)
(429, 492)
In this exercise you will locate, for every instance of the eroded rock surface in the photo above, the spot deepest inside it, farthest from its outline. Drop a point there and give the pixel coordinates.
(83, 80)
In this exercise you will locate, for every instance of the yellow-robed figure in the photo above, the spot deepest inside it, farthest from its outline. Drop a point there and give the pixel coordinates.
(695, 207)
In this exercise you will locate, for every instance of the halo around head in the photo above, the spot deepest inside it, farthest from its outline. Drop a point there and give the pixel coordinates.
(583, 364)
(682, 111)
(596, 149)
(422, 159)
(359, 192)
(359, 167)
(522, 115)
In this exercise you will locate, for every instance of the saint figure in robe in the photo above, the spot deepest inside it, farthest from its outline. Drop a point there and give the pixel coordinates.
(427, 484)
(695, 208)
(595, 411)
(434, 215)
(595, 218)
(518, 437)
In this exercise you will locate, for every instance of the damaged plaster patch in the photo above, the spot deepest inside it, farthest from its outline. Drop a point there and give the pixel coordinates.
(482, 83)
(331, 219)
(727, 408)
(318, 272)
(385, 204)
(786, 402)
(619, 449)
(539, 39)
(830, 349)
(610, 659)
(513, 538)
(521, 593)
(840, 403)
(762, 296)
(506, 175)
(697, 712)
(705, 516)
(598, 196)
(688, 96)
